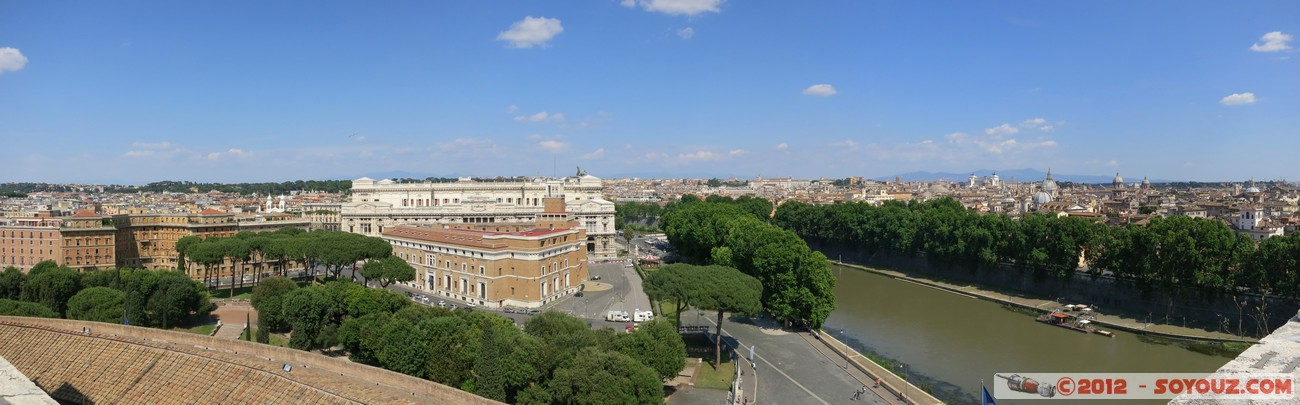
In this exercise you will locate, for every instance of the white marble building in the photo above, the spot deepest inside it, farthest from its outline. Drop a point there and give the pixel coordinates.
(377, 205)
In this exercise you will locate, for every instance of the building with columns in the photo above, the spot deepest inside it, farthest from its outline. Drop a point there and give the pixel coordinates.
(377, 206)
(497, 264)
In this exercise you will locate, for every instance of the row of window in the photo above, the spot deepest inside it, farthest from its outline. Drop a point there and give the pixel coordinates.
(23, 260)
(427, 202)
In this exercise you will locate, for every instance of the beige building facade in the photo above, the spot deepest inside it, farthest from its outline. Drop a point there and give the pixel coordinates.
(377, 206)
(84, 241)
(148, 241)
(524, 265)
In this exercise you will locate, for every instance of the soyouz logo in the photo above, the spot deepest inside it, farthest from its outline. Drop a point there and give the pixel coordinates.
(1220, 386)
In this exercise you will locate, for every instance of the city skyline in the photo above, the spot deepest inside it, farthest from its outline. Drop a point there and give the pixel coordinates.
(132, 93)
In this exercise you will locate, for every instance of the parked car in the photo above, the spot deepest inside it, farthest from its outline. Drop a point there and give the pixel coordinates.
(508, 310)
(596, 277)
(578, 294)
(442, 303)
(534, 311)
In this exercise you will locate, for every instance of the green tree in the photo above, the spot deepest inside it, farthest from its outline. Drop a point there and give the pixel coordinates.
(508, 362)
(563, 335)
(238, 251)
(363, 337)
(11, 283)
(370, 301)
(388, 270)
(597, 376)
(403, 348)
(182, 247)
(457, 342)
(176, 300)
(658, 345)
(674, 282)
(99, 304)
(725, 289)
(52, 287)
(534, 394)
(308, 311)
(207, 253)
(271, 287)
(42, 267)
(21, 308)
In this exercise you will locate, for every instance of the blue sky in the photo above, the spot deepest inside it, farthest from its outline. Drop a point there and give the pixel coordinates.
(132, 92)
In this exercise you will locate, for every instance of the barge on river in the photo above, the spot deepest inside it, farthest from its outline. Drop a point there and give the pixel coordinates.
(1077, 324)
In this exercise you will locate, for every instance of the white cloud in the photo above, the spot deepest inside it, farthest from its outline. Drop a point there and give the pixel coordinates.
(512, 109)
(232, 152)
(531, 31)
(782, 146)
(154, 150)
(553, 145)
(676, 7)
(1004, 129)
(11, 60)
(845, 144)
(821, 90)
(1038, 123)
(535, 136)
(1032, 122)
(702, 156)
(737, 152)
(540, 117)
(1274, 41)
(1238, 99)
(686, 33)
(595, 154)
(146, 145)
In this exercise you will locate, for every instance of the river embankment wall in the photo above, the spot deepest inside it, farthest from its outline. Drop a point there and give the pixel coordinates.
(1250, 314)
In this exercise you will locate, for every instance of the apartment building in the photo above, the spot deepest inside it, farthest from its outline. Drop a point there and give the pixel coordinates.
(83, 241)
(497, 265)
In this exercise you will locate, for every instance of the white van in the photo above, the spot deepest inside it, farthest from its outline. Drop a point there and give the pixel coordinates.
(616, 316)
(642, 316)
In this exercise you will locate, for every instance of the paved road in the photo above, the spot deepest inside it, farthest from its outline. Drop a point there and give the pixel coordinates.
(790, 370)
(625, 294)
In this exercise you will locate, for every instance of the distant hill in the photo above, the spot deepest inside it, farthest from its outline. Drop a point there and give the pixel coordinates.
(1020, 175)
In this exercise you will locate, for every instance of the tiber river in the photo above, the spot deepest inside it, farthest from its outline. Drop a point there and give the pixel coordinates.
(956, 341)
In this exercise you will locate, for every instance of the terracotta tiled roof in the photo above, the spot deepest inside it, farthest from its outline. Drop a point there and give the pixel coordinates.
(86, 214)
(210, 211)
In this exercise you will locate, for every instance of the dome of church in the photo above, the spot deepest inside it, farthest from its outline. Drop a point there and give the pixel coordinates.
(1145, 182)
(1118, 180)
(1049, 185)
(1042, 197)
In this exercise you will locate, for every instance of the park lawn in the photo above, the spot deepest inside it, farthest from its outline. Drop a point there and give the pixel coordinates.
(698, 345)
(205, 329)
(277, 340)
(716, 379)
